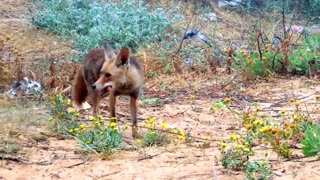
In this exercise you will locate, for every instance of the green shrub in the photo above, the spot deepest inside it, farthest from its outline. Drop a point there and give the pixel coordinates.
(100, 140)
(258, 170)
(304, 54)
(95, 137)
(311, 142)
(92, 23)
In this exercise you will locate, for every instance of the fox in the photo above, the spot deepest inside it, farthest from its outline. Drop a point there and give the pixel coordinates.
(109, 72)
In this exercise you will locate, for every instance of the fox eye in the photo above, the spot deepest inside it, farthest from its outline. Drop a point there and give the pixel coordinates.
(107, 75)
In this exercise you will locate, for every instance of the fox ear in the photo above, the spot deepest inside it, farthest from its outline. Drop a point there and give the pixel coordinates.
(123, 56)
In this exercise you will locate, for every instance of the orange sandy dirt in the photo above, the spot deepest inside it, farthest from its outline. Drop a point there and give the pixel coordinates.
(59, 157)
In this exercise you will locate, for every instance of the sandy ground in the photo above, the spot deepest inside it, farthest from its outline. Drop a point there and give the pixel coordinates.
(59, 157)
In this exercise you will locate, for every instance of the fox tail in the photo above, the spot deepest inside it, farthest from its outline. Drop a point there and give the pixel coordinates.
(79, 88)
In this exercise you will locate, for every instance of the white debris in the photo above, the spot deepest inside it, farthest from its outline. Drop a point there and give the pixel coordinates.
(24, 86)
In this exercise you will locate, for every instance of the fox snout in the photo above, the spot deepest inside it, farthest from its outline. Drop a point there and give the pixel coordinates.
(97, 86)
(93, 86)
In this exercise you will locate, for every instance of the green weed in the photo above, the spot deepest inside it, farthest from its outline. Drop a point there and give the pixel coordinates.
(258, 170)
(311, 142)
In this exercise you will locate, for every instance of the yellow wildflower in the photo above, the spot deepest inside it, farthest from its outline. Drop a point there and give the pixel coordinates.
(76, 129)
(181, 131)
(292, 100)
(239, 146)
(246, 150)
(153, 120)
(246, 143)
(264, 58)
(99, 117)
(244, 55)
(82, 126)
(296, 118)
(102, 121)
(70, 131)
(62, 115)
(77, 115)
(264, 129)
(112, 124)
(139, 142)
(165, 126)
(146, 121)
(262, 115)
(8, 38)
(113, 119)
(257, 122)
(97, 123)
(150, 126)
(50, 119)
(223, 145)
(71, 111)
(258, 109)
(68, 102)
(283, 112)
(227, 100)
(290, 126)
(91, 118)
(274, 130)
(192, 97)
(181, 137)
(297, 104)
(234, 137)
(126, 126)
(248, 126)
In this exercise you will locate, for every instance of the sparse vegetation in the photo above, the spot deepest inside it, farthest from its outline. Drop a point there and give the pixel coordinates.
(311, 142)
(91, 24)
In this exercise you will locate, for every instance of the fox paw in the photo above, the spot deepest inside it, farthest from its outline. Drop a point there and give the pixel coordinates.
(135, 132)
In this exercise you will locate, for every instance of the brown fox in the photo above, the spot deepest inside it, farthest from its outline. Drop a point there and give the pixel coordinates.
(106, 71)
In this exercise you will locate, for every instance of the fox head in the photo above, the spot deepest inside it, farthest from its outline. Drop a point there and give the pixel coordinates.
(113, 71)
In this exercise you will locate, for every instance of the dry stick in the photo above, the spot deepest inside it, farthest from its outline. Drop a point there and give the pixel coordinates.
(303, 30)
(284, 35)
(279, 102)
(179, 48)
(76, 164)
(66, 90)
(149, 157)
(283, 23)
(236, 76)
(258, 43)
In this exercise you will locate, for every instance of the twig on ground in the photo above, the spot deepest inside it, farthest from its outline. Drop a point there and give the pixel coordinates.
(66, 90)
(77, 164)
(235, 77)
(149, 157)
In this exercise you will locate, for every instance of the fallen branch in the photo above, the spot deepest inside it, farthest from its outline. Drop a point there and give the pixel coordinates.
(149, 157)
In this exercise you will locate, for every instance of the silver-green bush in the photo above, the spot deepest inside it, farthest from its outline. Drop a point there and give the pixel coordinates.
(92, 23)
